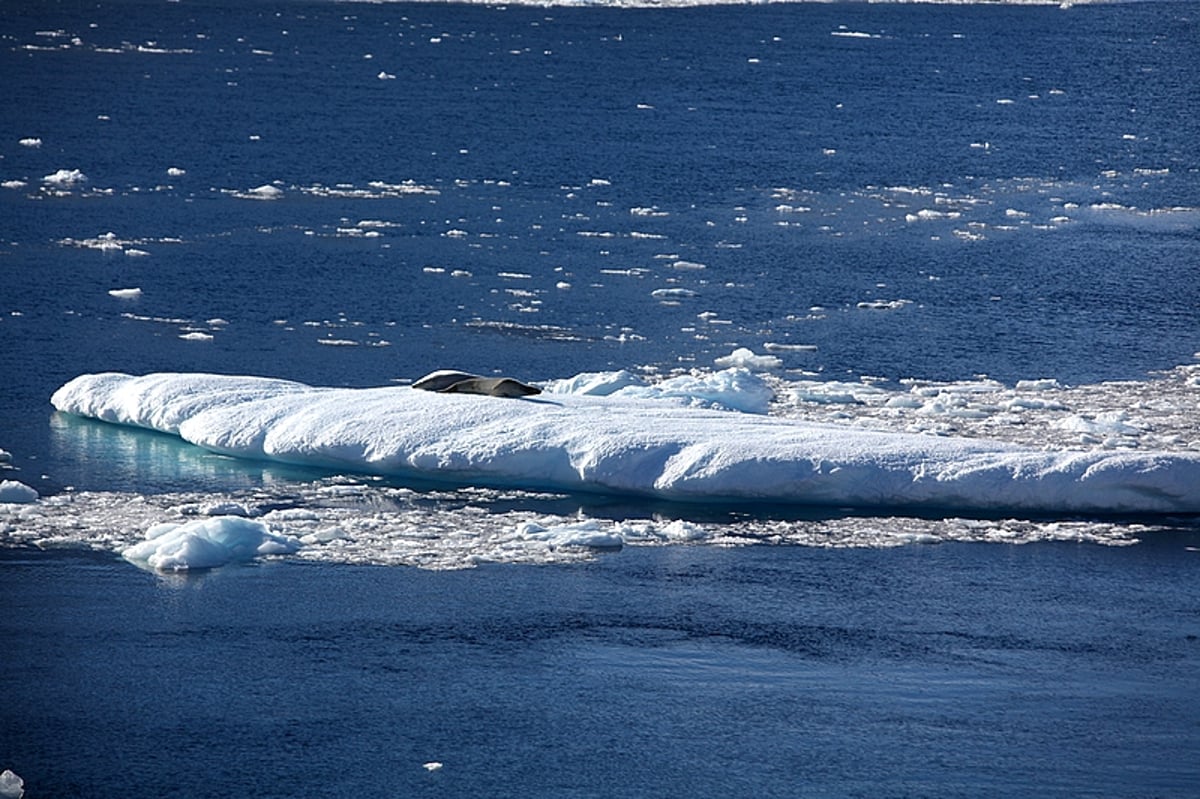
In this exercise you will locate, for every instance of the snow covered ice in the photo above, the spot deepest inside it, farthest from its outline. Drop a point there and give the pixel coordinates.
(630, 446)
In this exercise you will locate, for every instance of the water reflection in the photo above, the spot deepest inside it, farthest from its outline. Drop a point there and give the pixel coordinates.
(102, 456)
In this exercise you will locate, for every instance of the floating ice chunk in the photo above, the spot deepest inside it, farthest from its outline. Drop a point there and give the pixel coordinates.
(776, 346)
(929, 214)
(106, 242)
(65, 178)
(595, 384)
(734, 389)
(125, 294)
(15, 492)
(225, 509)
(1043, 384)
(196, 335)
(905, 401)
(1033, 403)
(386, 76)
(586, 533)
(30, 141)
(176, 172)
(324, 536)
(1109, 423)
(745, 357)
(264, 192)
(688, 265)
(679, 530)
(11, 786)
(672, 294)
(13, 184)
(883, 305)
(432, 765)
(208, 543)
(5, 459)
(830, 392)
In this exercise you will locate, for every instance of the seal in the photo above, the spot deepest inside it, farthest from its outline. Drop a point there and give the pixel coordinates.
(492, 387)
(447, 381)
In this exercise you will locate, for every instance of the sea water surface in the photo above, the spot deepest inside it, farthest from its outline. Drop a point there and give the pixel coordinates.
(977, 220)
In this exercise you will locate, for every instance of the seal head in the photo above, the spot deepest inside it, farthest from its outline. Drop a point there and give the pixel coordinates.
(443, 379)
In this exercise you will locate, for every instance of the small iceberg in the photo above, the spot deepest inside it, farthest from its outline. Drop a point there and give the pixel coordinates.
(207, 544)
(16, 492)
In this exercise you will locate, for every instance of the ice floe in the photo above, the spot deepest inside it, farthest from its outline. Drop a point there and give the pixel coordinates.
(15, 492)
(264, 192)
(11, 786)
(747, 359)
(207, 543)
(65, 179)
(626, 444)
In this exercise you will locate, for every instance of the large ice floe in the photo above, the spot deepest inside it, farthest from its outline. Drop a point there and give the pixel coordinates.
(445, 481)
(627, 445)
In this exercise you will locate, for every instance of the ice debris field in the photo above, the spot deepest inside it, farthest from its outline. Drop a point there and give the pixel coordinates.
(903, 467)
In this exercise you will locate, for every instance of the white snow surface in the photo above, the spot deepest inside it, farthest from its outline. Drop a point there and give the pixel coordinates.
(631, 446)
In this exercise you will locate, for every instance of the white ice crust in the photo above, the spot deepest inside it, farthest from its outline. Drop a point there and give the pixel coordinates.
(630, 446)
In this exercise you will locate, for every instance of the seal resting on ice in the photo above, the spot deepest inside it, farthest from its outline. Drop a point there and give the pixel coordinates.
(451, 382)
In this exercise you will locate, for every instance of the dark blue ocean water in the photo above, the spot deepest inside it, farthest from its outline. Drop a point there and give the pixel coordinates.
(956, 671)
(931, 192)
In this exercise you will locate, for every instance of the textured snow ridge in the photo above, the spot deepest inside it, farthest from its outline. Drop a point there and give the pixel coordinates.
(639, 447)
